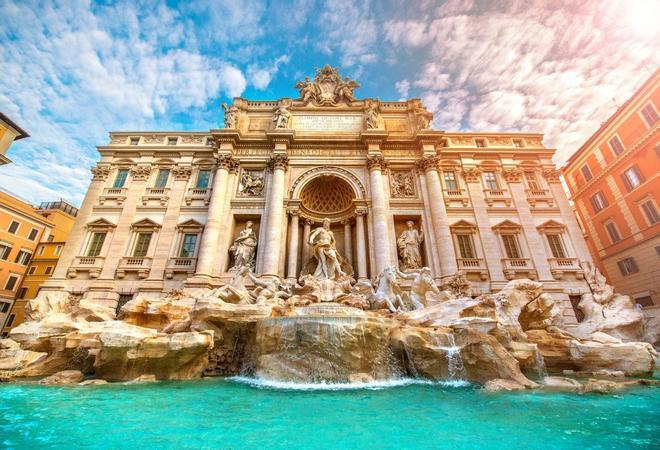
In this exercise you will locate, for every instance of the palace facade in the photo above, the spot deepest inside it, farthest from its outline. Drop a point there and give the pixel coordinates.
(164, 209)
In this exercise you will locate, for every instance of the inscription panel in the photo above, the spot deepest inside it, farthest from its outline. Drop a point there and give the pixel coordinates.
(314, 122)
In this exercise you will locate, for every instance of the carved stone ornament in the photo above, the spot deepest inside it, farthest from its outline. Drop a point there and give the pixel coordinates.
(424, 116)
(512, 175)
(251, 183)
(472, 174)
(278, 161)
(402, 184)
(456, 140)
(140, 173)
(100, 172)
(225, 162)
(376, 161)
(182, 172)
(282, 116)
(372, 114)
(552, 175)
(428, 163)
(119, 139)
(153, 139)
(231, 115)
(195, 139)
(328, 88)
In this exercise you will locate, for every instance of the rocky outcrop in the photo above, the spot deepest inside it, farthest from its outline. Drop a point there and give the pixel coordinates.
(64, 377)
(632, 358)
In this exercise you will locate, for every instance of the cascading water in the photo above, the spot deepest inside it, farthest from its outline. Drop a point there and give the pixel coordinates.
(540, 364)
(455, 365)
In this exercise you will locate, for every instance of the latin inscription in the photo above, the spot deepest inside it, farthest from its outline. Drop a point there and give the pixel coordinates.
(328, 123)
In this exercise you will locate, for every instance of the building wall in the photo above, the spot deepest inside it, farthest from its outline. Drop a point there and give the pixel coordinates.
(638, 236)
(9, 132)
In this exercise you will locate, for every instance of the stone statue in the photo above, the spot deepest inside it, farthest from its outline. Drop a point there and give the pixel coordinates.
(251, 184)
(372, 115)
(231, 115)
(457, 285)
(234, 291)
(402, 184)
(244, 247)
(306, 89)
(347, 89)
(388, 292)
(269, 290)
(409, 243)
(323, 241)
(423, 291)
(328, 88)
(282, 117)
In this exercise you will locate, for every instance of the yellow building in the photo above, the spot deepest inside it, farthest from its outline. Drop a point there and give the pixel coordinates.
(9, 132)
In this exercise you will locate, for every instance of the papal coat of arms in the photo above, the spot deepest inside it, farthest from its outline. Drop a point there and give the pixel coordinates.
(328, 88)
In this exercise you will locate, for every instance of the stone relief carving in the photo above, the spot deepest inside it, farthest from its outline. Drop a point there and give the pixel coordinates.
(118, 139)
(251, 183)
(328, 88)
(402, 184)
(231, 115)
(244, 247)
(192, 139)
(408, 243)
(153, 139)
(372, 115)
(282, 116)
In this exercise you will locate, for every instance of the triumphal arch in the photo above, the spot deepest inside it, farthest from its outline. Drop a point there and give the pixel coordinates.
(326, 184)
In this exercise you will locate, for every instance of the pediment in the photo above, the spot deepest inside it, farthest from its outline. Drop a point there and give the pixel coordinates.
(101, 223)
(551, 225)
(191, 224)
(145, 223)
(507, 225)
(463, 225)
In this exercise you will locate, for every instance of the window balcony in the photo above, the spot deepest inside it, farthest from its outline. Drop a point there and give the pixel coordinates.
(518, 266)
(156, 195)
(198, 196)
(138, 264)
(492, 196)
(473, 265)
(536, 195)
(91, 264)
(180, 265)
(455, 195)
(561, 266)
(116, 195)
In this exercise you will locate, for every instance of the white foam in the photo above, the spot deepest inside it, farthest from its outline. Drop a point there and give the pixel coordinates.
(262, 383)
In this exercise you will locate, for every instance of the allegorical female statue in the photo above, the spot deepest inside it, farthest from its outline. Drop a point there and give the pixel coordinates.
(409, 247)
(323, 242)
(244, 247)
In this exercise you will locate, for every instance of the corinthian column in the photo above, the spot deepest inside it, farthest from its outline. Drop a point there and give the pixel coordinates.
(208, 248)
(380, 212)
(293, 247)
(275, 215)
(441, 231)
(307, 229)
(360, 245)
(348, 244)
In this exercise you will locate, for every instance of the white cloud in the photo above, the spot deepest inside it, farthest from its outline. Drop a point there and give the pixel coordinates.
(403, 88)
(261, 77)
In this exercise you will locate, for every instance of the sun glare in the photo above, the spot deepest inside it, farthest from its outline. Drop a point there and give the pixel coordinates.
(642, 16)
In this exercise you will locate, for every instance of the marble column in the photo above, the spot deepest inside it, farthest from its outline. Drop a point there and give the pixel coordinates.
(361, 245)
(348, 244)
(275, 216)
(307, 229)
(208, 247)
(293, 247)
(224, 235)
(441, 231)
(380, 213)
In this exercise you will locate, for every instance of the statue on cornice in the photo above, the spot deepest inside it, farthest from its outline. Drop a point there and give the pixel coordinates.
(282, 116)
(372, 115)
(328, 88)
(231, 115)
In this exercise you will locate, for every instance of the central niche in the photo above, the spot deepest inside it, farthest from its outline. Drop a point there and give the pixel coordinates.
(327, 196)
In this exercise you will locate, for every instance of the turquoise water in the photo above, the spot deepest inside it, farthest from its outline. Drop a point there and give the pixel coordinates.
(232, 414)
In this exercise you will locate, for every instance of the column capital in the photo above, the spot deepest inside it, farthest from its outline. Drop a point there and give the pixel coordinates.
(471, 174)
(428, 163)
(512, 174)
(346, 221)
(100, 172)
(224, 161)
(182, 172)
(361, 212)
(278, 161)
(293, 211)
(308, 222)
(552, 175)
(140, 173)
(376, 162)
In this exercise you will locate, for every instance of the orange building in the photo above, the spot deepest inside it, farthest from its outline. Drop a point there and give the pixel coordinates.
(9, 133)
(615, 186)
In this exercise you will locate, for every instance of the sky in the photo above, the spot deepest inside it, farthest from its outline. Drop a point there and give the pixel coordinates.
(71, 71)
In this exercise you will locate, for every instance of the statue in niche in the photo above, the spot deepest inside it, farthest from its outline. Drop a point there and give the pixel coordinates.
(231, 115)
(402, 184)
(244, 247)
(251, 184)
(282, 117)
(409, 247)
(372, 115)
(328, 263)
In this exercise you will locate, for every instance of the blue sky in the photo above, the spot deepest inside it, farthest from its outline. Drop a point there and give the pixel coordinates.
(73, 70)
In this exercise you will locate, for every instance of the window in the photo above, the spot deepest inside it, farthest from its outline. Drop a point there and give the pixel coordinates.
(4, 307)
(22, 292)
(465, 247)
(586, 172)
(120, 179)
(33, 234)
(51, 238)
(41, 250)
(519, 143)
(32, 270)
(203, 179)
(10, 321)
(650, 115)
(627, 266)
(58, 250)
(96, 244)
(632, 178)
(5, 250)
(49, 270)
(161, 179)
(613, 232)
(532, 181)
(172, 140)
(13, 227)
(511, 247)
(598, 201)
(11, 283)
(651, 213)
(490, 179)
(188, 244)
(616, 145)
(450, 180)
(142, 244)
(556, 245)
(135, 140)
(480, 142)
(23, 257)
